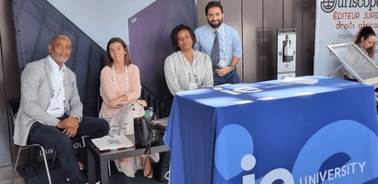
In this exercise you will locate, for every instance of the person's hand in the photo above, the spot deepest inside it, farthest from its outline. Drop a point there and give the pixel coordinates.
(114, 102)
(142, 103)
(70, 122)
(223, 71)
(70, 131)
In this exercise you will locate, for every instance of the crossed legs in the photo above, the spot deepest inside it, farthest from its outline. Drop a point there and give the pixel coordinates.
(53, 137)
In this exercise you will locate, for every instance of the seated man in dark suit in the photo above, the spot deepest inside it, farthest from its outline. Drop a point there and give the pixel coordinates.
(50, 109)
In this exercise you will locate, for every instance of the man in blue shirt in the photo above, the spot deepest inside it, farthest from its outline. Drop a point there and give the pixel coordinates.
(230, 50)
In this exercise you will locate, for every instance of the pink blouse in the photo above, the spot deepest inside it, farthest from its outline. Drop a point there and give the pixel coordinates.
(109, 90)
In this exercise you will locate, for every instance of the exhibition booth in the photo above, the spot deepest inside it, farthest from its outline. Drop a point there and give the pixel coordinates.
(293, 129)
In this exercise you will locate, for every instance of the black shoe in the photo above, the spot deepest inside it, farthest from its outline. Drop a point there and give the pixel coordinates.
(85, 176)
(98, 182)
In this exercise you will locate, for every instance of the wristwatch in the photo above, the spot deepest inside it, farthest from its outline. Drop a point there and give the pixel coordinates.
(232, 67)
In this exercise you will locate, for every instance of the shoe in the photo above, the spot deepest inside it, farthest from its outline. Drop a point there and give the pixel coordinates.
(149, 175)
(98, 182)
(85, 176)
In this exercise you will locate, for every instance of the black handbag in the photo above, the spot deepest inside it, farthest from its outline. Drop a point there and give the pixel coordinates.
(145, 137)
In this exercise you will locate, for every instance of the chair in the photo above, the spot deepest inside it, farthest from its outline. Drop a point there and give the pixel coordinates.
(159, 124)
(165, 159)
(13, 106)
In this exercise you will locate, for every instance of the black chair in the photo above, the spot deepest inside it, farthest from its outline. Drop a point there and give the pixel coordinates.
(13, 106)
(159, 124)
(165, 158)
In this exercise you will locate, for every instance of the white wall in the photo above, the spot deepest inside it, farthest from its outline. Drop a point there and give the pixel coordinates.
(112, 14)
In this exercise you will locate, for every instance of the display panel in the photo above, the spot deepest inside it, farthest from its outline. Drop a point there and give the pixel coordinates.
(356, 62)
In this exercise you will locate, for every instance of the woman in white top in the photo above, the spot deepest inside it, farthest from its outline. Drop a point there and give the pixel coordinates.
(186, 69)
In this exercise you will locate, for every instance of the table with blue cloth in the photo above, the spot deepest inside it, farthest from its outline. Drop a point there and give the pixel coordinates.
(315, 130)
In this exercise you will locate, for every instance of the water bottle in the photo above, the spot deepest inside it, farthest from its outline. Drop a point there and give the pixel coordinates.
(149, 114)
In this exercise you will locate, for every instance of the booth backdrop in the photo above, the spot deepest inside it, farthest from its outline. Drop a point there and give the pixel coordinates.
(338, 21)
(36, 22)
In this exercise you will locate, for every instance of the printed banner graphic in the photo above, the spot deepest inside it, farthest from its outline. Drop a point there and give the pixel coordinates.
(338, 21)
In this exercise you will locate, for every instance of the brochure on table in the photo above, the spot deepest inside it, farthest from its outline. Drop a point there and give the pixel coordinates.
(108, 143)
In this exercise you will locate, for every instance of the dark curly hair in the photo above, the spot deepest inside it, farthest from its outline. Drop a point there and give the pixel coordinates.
(109, 59)
(365, 32)
(175, 32)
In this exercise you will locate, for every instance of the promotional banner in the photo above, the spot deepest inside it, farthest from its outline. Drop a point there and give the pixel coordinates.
(338, 21)
(221, 136)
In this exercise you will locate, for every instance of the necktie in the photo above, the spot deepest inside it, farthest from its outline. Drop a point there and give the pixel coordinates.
(215, 51)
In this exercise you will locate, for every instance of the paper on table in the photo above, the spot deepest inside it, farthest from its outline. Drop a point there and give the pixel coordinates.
(243, 102)
(229, 92)
(247, 89)
(107, 143)
(300, 80)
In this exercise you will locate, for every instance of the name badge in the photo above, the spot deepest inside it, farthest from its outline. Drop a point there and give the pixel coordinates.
(192, 85)
(54, 104)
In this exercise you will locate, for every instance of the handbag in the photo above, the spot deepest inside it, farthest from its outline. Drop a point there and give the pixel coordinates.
(145, 137)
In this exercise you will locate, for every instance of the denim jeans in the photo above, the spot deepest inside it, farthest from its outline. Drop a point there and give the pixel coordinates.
(232, 77)
(53, 137)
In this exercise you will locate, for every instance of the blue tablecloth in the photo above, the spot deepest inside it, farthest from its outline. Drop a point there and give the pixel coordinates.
(285, 133)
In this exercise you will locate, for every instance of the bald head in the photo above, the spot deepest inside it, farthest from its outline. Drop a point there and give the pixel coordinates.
(60, 49)
(57, 37)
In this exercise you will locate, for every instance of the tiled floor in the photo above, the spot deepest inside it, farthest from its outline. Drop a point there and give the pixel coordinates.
(6, 176)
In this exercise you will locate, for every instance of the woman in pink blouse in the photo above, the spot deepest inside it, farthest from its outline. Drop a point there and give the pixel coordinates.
(120, 89)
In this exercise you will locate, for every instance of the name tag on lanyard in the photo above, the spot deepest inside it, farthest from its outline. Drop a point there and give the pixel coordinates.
(193, 85)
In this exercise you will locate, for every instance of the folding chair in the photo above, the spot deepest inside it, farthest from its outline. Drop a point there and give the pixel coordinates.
(13, 106)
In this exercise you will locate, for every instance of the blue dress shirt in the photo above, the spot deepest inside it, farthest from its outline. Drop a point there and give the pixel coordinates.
(229, 41)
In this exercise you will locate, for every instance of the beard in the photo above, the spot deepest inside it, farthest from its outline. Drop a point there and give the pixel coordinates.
(60, 59)
(215, 24)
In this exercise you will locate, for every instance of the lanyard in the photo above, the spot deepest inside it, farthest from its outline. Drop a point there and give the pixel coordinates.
(53, 81)
(223, 40)
(126, 77)
(193, 67)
